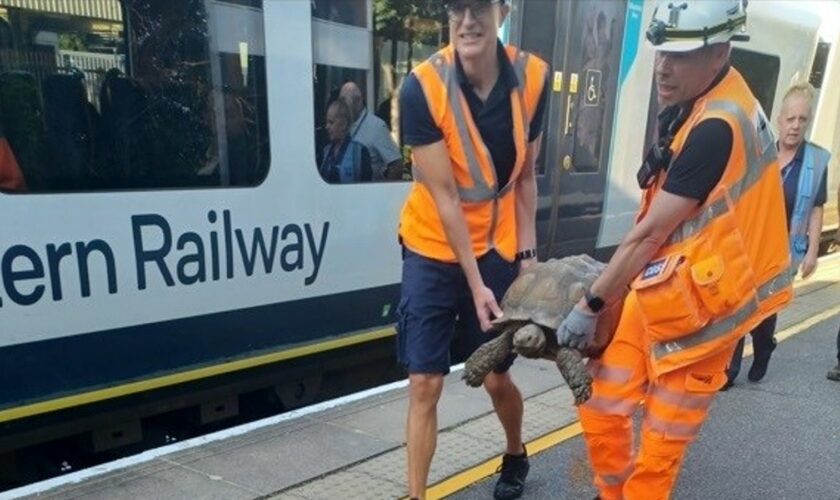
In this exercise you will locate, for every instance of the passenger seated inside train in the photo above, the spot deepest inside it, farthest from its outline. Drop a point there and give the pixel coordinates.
(343, 160)
(372, 133)
(11, 178)
(20, 132)
(70, 122)
(125, 154)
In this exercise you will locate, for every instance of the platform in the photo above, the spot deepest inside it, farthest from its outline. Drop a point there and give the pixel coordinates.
(775, 439)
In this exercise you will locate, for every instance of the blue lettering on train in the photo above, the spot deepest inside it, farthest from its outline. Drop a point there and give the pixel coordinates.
(164, 256)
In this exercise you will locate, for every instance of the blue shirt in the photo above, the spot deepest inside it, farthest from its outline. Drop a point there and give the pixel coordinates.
(350, 163)
(790, 176)
(493, 117)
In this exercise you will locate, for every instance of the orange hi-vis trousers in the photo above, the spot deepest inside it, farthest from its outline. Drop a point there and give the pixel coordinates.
(675, 406)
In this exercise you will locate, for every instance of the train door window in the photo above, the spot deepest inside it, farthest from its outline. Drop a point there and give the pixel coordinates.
(539, 38)
(600, 48)
(130, 94)
(761, 71)
(820, 61)
(351, 12)
(367, 47)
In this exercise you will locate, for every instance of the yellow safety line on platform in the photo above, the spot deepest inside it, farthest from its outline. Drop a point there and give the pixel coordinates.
(468, 477)
(187, 376)
(463, 480)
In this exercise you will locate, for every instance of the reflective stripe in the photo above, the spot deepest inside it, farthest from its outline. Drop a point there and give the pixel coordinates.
(614, 374)
(685, 400)
(694, 225)
(480, 190)
(519, 65)
(612, 406)
(778, 282)
(757, 162)
(616, 479)
(674, 429)
(719, 328)
(708, 333)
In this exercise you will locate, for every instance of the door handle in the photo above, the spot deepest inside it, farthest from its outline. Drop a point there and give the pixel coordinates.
(573, 89)
(569, 105)
(567, 162)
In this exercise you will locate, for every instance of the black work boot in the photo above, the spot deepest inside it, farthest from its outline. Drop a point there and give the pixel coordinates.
(760, 362)
(514, 470)
(834, 373)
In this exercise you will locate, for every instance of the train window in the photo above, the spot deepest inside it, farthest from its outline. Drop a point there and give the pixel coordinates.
(352, 12)
(599, 57)
(357, 139)
(539, 39)
(761, 71)
(128, 94)
(820, 61)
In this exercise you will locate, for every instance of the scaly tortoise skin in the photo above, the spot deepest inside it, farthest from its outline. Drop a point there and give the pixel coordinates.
(534, 306)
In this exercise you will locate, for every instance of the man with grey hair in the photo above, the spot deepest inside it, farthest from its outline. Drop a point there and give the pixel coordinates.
(369, 130)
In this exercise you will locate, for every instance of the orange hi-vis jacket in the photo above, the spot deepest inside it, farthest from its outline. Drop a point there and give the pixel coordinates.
(489, 209)
(726, 267)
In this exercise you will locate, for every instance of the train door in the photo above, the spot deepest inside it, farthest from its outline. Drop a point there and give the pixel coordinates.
(582, 42)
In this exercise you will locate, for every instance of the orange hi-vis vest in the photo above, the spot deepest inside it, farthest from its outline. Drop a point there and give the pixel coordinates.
(489, 209)
(727, 267)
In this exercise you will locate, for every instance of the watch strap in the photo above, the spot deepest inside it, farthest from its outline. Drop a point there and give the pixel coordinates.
(526, 254)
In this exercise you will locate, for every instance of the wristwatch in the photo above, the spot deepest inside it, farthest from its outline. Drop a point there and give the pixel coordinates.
(593, 302)
(526, 254)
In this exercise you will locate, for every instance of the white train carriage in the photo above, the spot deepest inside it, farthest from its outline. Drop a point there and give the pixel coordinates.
(174, 225)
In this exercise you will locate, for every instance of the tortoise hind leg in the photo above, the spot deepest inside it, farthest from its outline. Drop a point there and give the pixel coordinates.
(487, 356)
(570, 363)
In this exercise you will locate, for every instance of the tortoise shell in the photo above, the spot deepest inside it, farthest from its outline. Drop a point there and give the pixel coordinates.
(546, 292)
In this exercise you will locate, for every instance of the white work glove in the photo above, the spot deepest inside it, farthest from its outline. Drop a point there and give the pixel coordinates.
(578, 329)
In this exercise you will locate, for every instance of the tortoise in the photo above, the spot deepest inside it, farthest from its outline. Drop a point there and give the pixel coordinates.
(534, 307)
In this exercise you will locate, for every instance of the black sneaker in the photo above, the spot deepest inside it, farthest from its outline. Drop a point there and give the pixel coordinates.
(514, 470)
(834, 373)
(760, 362)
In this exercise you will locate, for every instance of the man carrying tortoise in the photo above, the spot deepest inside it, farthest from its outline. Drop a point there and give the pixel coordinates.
(707, 259)
(472, 114)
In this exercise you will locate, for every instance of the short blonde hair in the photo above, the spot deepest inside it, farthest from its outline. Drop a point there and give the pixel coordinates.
(804, 89)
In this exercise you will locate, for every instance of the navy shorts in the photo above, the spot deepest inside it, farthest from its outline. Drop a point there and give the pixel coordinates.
(436, 310)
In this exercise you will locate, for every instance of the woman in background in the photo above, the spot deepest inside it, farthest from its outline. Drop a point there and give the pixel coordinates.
(804, 172)
(344, 160)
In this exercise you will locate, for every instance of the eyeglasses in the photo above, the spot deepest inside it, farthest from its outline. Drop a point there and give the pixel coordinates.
(479, 8)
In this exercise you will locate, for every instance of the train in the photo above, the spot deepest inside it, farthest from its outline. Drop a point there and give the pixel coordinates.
(175, 245)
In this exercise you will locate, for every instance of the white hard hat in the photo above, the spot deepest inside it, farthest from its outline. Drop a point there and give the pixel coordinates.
(684, 25)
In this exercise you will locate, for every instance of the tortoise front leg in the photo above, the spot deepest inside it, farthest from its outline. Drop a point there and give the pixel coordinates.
(570, 363)
(487, 356)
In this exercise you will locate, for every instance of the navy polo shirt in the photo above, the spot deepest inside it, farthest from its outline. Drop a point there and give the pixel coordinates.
(790, 176)
(493, 117)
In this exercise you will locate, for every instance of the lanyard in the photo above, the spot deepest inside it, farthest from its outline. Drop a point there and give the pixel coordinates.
(787, 168)
(786, 171)
(361, 121)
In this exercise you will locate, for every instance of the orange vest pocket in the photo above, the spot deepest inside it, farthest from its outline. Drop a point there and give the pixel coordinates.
(722, 274)
(667, 299)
